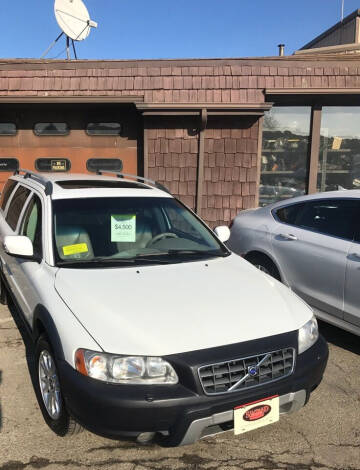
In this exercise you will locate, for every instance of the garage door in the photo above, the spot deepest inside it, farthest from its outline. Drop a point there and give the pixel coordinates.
(68, 138)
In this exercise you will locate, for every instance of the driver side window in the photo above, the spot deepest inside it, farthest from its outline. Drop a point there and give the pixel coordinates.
(178, 222)
(32, 224)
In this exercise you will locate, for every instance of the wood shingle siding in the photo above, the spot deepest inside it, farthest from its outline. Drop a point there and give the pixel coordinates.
(171, 97)
(178, 81)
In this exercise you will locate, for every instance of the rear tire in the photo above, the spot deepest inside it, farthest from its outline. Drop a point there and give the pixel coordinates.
(265, 265)
(48, 391)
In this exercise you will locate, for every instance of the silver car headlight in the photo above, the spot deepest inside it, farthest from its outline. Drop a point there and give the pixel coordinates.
(308, 335)
(124, 369)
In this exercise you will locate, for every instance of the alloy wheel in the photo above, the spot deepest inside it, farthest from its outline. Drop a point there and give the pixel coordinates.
(49, 385)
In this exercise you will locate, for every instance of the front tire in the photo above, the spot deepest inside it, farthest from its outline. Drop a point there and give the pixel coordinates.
(48, 391)
(265, 265)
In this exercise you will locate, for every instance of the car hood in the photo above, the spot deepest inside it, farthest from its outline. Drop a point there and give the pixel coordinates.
(167, 309)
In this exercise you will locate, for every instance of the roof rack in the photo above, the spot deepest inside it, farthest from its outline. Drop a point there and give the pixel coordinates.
(128, 175)
(39, 178)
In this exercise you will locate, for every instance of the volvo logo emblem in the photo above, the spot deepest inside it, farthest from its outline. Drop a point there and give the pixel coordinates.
(253, 370)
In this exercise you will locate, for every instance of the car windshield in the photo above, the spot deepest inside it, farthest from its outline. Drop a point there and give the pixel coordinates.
(97, 232)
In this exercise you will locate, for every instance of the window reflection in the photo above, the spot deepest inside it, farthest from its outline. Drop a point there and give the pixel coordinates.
(103, 128)
(7, 128)
(339, 158)
(284, 159)
(51, 128)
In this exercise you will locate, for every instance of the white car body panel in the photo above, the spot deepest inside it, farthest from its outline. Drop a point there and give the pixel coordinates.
(167, 309)
(124, 311)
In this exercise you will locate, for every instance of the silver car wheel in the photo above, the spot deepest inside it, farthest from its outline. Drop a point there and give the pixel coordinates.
(49, 385)
(263, 269)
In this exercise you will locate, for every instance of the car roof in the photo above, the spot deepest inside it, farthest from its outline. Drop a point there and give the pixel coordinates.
(80, 185)
(339, 194)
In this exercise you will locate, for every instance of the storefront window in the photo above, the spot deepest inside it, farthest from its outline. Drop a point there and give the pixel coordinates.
(339, 158)
(284, 158)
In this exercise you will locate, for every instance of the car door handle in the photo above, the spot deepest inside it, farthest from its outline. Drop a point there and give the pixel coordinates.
(355, 255)
(288, 236)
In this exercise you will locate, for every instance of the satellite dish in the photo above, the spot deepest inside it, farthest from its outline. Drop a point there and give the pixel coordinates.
(73, 18)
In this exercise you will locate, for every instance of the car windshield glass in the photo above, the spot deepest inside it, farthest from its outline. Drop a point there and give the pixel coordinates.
(127, 231)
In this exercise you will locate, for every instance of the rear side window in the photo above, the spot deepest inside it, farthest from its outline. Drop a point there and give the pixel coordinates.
(32, 224)
(335, 217)
(16, 205)
(6, 193)
(289, 214)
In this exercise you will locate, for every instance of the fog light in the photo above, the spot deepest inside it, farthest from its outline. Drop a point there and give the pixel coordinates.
(145, 437)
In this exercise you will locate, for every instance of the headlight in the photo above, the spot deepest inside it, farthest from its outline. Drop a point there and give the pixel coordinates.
(308, 335)
(125, 369)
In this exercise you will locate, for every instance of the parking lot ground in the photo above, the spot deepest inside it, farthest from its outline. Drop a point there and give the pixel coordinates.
(323, 435)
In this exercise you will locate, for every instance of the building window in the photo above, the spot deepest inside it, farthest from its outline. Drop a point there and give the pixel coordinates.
(103, 128)
(51, 128)
(9, 164)
(339, 154)
(7, 128)
(284, 158)
(106, 164)
(52, 164)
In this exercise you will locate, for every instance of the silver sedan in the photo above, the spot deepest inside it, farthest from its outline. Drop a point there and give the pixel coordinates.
(312, 244)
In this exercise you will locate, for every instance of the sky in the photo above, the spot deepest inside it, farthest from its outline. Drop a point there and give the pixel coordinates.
(159, 29)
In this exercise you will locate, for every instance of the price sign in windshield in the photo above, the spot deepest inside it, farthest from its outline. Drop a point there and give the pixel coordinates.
(123, 227)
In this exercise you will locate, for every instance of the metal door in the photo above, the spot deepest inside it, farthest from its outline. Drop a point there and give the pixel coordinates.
(313, 253)
(76, 145)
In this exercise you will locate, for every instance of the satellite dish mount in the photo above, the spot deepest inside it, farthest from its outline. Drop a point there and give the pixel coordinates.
(73, 18)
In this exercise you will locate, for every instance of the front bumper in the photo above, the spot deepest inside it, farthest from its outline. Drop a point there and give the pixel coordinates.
(202, 427)
(180, 413)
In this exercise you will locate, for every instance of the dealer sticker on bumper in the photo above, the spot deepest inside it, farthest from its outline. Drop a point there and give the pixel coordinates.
(256, 414)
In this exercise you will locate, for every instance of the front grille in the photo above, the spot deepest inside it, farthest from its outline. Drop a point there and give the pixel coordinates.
(268, 367)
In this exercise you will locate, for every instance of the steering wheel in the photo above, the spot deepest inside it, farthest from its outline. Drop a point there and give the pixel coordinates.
(160, 236)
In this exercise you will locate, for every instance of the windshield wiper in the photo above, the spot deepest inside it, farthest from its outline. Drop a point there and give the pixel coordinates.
(157, 257)
(152, 258)
(95, 261)
(100, 262)
(198, 252)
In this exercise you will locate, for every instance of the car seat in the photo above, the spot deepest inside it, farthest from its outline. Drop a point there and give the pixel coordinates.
(69, 235)
(144, 233)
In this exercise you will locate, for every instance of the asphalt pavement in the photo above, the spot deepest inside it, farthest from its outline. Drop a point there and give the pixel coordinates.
(323, 435)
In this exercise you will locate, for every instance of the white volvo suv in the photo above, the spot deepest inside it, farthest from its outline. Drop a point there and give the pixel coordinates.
(144, 324)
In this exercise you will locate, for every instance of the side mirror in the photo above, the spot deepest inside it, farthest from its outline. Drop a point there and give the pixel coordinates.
(18, 245)
(223, 233)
